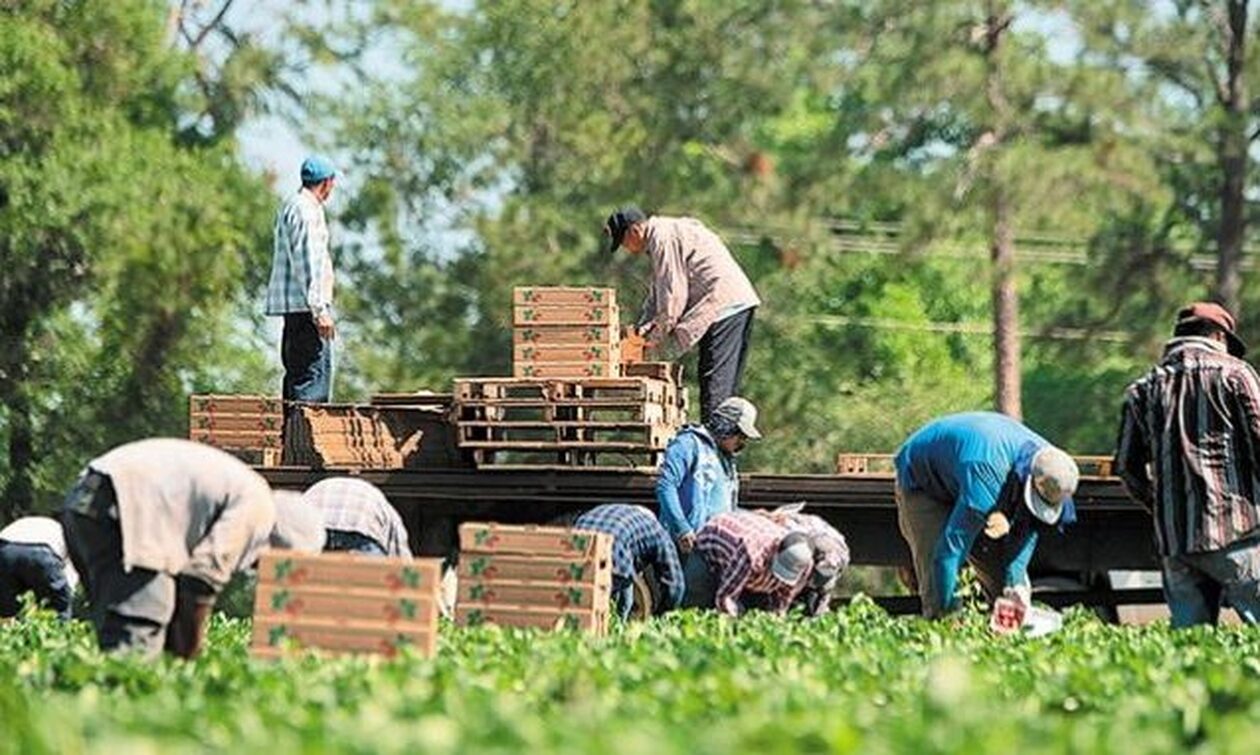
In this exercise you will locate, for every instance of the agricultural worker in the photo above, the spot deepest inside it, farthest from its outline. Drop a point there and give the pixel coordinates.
(33, 559)
(698, 479)
(301, 285)
(358, 517)
(698, 294)
(831, 554)
(975, 472)
(157, 527)
(1189, 451)
(640, 547)
(749, 556)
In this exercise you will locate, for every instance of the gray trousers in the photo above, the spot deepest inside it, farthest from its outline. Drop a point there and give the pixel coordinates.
(723, 353)
(1196, 583)
(921, 520)
(131, 610)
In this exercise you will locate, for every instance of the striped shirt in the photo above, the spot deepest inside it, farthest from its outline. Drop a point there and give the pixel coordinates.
(1189, 447)
(639, 541)
(739, 547)
(351, 505)
(301, 263)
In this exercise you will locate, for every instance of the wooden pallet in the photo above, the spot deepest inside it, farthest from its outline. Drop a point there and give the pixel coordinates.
(505, 390)
(881, 465)
(579, 410)
(535, 436)
(563, 295)
(568, 458)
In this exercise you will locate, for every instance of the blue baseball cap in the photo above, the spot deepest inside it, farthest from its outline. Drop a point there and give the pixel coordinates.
(317, 168)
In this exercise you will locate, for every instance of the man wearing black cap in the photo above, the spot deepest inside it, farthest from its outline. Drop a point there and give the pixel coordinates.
(699, 294)
(1189, 451)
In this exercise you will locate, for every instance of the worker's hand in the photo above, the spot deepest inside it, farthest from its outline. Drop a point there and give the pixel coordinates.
(997, 525)
(324, 324)
(686, 543)
(194, 600)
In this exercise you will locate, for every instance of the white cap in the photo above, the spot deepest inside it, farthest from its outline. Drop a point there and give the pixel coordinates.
(794, 557)
(1051, 483)
(742, 412)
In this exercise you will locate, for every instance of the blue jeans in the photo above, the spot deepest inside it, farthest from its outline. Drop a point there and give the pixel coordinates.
(352, 542)
(1196, 583)
(30, 567)
(308, 360)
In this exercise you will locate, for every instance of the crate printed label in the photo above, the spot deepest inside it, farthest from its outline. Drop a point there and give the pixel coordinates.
(575, 542)
(484, 566)
(590, 314)
(590, 335)
(587, 295)
(588, 353)
(286, 602)
(288, 572)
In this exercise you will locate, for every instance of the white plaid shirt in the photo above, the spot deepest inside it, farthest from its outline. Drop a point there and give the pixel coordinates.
(301, 263)
(353, 505)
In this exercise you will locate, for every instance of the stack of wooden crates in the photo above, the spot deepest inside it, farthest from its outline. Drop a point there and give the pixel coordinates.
(249, 427)
(345, 603)
(563, 332)
(531, 576)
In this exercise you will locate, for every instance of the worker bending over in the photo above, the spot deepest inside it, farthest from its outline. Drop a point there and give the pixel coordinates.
(831, 554)
(965, 474)
(641, 547)
(157, 527)
(748, 555)
(358, 517)
(33, 559)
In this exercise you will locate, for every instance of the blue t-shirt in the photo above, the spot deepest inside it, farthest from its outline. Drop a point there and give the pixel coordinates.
(965, 460)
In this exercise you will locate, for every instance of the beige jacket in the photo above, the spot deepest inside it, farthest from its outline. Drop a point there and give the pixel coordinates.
(694, 280)
(189, 509)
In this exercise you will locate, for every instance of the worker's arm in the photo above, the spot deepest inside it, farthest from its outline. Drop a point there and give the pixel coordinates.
(978, 492)
(234, 540)
(1017, 569)
(671, 289)
(1133, 454)
(1246, 395)
(669, 572)
(679, 459)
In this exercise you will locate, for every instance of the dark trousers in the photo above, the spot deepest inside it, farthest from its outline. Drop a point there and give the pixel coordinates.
(352, 542)
(723, 352)
(30, 567)
(622, 596)
(307, 358)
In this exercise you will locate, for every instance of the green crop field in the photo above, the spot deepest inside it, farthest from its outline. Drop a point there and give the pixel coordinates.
(855, 681)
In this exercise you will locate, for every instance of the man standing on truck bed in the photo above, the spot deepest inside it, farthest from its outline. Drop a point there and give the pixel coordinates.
(1189, 451)
(301, 286)
(975, 472)
(699, 294)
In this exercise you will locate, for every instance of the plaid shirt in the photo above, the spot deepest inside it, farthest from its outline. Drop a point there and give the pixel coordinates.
(1189, 448)
(739, 547)
(639, 541)
(301, 264)
(352, 505)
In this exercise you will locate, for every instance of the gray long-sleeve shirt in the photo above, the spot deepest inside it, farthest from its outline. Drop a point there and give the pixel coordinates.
(185, 508)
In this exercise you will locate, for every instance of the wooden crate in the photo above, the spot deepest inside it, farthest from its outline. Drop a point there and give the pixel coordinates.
(565, 369)
(533, 540)
(588, 620)
(563, 295)
(393, 607)
(347, 603)
(528, 353)
(496, 567)
(219, 422)
(575, 314)
(233, 440)
(274, 636)
(234, 404)
(476, 592)
(348, 570)
(565, 335)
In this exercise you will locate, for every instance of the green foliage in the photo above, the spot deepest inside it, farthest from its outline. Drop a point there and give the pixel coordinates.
(854, 681)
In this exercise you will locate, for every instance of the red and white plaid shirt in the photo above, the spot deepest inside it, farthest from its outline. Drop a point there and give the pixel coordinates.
(739, 547)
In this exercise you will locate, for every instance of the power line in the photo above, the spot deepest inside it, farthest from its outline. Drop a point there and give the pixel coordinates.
(972, 329)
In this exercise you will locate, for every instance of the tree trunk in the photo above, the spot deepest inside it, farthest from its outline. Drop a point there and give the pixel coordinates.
(1005, 301)
(1232, 143)
(1006, 371)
